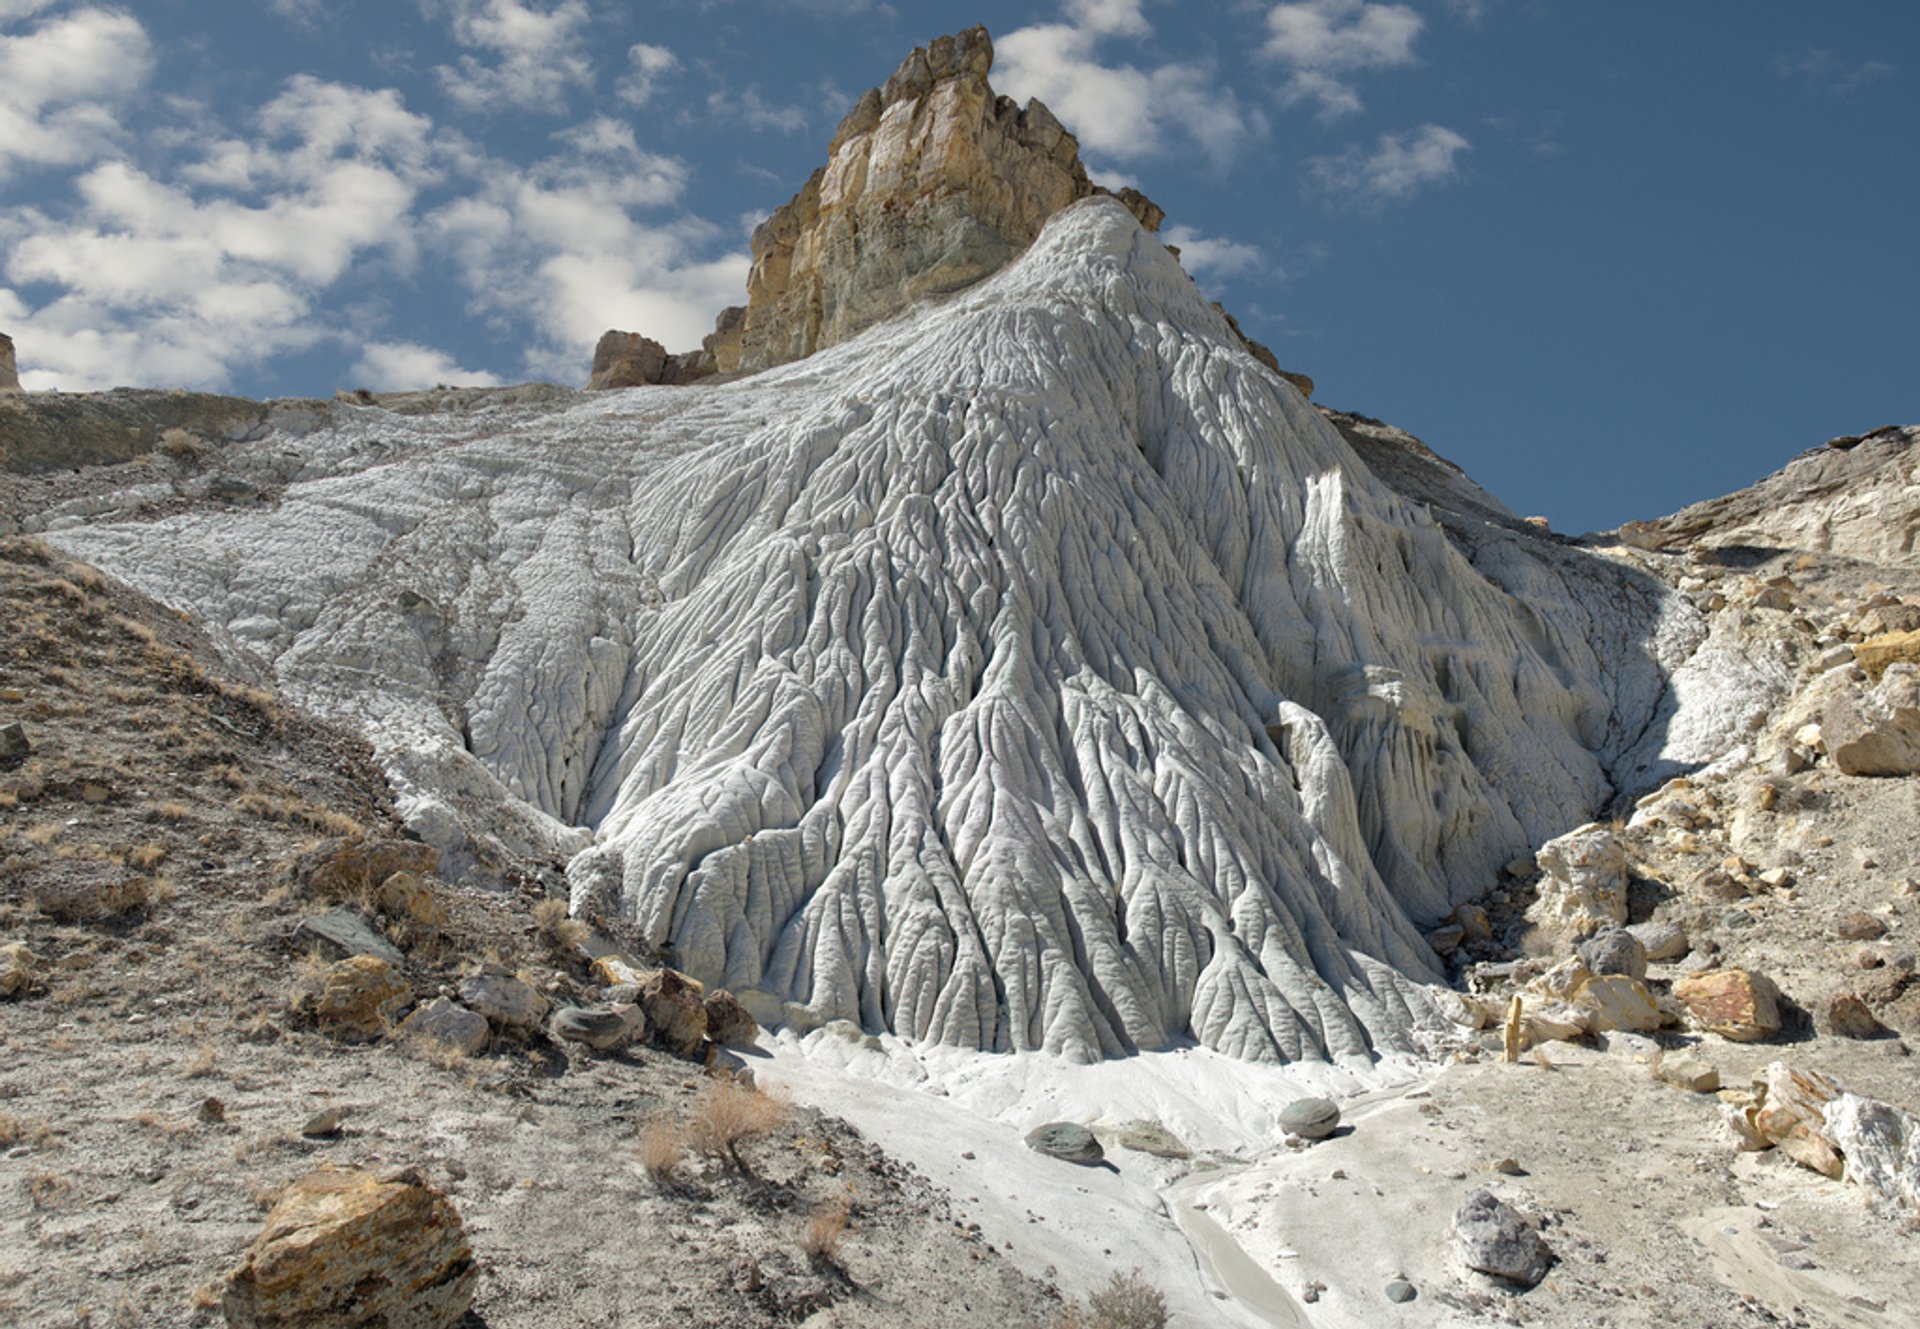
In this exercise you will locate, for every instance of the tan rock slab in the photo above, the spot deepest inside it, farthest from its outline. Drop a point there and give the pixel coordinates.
(1876, 653)
(357, 999)
(1734, 1003)
(345, 1249)
(1615, 1001)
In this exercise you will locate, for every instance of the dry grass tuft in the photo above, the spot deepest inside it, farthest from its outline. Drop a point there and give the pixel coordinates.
(202, 1064)
(23, 1130)
(663, 1148)
(551, 920)
(48, 1190)
(1128, 1301)
(726, 1113)
(825, 1228)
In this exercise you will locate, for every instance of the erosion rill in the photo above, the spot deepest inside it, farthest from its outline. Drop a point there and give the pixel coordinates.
(1039, 671)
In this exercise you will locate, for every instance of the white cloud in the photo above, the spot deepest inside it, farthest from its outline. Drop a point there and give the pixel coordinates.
(1121, 111)
(386, 366)
(559, 245)
(1206, 256)
(539, 54)
(1399, 166)
(1823, 71)
(646, 65)
(1321, 41)
(304, 14)
(1118, 17)
(754, 111)
(11, 11)
(182, 280)
(62, 83)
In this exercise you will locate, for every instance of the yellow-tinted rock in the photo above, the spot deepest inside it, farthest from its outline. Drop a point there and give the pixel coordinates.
(407, 897)
(1792, 1116)
(346, 1249)
(356, 998)
(17, 969)
(615, 971)
(1876, 653)
(1733, 1003)
(351, 868)
(1618, 1002)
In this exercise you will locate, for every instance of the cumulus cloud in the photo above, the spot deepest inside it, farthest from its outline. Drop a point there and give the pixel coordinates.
(1212, 256)
(63, 82)
(538, 55)
(1397, 167)
(1823, 71)
(645, 67)
(559, 244)
(1122, 111)
(388, 366)
(1323, 42)
(181, 279)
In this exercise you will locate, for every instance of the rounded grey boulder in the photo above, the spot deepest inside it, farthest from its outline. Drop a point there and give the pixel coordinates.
(1492, 1237)
(1066, 1141)
(1310, 1118)
(599, 1027)
(1615, 951)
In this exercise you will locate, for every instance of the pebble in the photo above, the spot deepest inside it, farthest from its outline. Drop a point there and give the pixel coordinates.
(324, 1123)
(1401, 1290)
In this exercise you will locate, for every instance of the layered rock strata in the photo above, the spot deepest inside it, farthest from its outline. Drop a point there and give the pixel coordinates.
(9, 370)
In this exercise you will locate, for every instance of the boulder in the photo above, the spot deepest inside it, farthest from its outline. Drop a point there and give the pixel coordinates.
(445, 1028)
(356, 1000)
(14, 744)
(343, 933)
(1660, 941)
(602, 1028)
(1859, 925)
(1876, 732)
(1614, 1001)
(1734, 1003)
(1150, 1137)
(675, 1008)
(346, 1249)
(506, 1003)
(1492, 1238)
(627, 360)
(9, 371)
(352, 867)
(19, 969)
(1310, 1118)
(406, 897)
(1881, 1145)
(1790, 1114)
(728, 1022)
(1689, 1073)
(1848, 1017)
(1583, 883)
(1066, 1141)
(1875, 654)
(1615, 951)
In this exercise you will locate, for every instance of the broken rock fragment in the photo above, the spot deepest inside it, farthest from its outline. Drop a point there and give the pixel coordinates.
(1734, 1003)
(1491, 1237)
(346, 1249)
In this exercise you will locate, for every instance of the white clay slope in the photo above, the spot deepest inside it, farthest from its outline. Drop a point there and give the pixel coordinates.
(1033, 672)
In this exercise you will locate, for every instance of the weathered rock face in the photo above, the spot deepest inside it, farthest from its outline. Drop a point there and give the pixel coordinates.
(932, 182)
(9, 372)
(1876, 732)
(346, 1248)
(1584, 881)
(627, 360)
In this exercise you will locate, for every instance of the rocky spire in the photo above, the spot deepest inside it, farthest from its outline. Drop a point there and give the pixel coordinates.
(9, 375)
(932, 182)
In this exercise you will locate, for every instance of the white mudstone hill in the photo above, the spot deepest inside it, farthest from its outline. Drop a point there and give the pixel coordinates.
(1032, 671)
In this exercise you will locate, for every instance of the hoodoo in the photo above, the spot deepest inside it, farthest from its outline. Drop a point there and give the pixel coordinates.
(1038, 670)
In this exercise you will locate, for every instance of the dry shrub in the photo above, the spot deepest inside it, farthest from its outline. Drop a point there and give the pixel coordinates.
(825, 1228)
(22, 1130)
(147, 856)
(663, 1148)
(551, 920)
(727, 1112)
(182, 443)
(1128, 1301)
(46, 1190)
(91, 899)
(202, 1064)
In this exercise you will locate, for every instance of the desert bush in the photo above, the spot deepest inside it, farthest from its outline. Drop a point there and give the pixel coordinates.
(727, 1112)
(562, 931)
(1128, 1301)
(663, 1148)
(825, 1227)
(182, 443)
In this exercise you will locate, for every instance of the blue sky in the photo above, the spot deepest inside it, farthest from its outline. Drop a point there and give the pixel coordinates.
(1611, 258)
